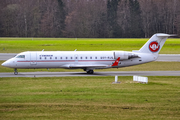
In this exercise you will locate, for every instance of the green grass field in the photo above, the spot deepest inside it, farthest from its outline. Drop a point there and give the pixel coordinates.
(16, 45)
(89, 98)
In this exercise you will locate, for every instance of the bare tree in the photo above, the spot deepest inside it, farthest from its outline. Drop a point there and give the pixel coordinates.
(159, 16)
(86, 19)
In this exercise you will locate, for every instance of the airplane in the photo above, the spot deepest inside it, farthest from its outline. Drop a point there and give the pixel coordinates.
(88, 60)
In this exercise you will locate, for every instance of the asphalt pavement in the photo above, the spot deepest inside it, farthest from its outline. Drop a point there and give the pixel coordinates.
(110, 73)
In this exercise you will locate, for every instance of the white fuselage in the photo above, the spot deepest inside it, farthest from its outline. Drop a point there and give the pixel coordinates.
(76, 59)
(89, 60)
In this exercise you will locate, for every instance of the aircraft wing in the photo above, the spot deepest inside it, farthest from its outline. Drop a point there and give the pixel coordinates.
(96, 66)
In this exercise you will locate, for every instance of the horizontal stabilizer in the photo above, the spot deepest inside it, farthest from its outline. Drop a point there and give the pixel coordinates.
(165, 35)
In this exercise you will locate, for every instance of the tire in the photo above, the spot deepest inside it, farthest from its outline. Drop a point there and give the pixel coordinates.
(90, 72)
(15, 73)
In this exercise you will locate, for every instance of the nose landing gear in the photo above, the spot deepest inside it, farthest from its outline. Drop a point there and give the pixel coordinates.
(15, 71)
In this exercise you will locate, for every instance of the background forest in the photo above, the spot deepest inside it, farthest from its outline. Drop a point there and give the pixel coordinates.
(89, 18)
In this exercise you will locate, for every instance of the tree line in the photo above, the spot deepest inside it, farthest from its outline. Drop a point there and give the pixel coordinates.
(89, 18)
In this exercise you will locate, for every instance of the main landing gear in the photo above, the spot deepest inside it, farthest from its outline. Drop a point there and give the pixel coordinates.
(15, 71)
(90, 71)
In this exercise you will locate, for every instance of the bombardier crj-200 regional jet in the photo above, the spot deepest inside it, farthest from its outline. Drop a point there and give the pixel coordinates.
(88, 60)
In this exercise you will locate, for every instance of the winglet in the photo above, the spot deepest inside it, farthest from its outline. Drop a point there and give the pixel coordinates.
(116, 62)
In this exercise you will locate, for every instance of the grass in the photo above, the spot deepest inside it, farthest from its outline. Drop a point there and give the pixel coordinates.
(17, 45)
(89, 98)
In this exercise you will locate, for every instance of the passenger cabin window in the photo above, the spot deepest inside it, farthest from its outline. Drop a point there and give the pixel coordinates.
(20, 56)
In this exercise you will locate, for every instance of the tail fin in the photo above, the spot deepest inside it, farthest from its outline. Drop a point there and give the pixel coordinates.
(155, 43)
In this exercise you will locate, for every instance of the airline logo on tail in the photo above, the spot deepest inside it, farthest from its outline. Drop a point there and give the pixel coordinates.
(154, 46)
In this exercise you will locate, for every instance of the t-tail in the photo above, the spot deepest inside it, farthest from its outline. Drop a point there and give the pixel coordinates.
(155, 43)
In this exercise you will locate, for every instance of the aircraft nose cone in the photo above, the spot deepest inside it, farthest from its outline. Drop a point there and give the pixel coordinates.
(5, 64)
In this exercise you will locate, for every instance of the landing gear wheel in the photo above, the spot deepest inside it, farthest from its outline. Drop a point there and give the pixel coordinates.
(90, 72)
(15, 72)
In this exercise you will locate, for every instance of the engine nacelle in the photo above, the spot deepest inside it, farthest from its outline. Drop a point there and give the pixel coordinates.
(124, 55)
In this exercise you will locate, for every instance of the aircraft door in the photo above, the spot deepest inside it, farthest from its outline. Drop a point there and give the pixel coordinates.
(76, 58)
(33, 58)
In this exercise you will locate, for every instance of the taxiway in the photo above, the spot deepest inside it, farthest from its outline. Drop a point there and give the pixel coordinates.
(110, 73)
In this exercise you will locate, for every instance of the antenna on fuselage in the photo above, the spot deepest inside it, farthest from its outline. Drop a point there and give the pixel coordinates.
(75, 49)
(42, 50)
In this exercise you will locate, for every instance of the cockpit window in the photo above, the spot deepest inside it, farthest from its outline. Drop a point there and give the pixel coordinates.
(20, 56)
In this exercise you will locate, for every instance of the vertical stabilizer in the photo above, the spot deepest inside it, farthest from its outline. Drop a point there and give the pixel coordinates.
(155, 43)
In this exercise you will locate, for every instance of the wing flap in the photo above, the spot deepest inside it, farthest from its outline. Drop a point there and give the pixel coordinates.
(93, 66)
(89, 66)
(75, 66)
